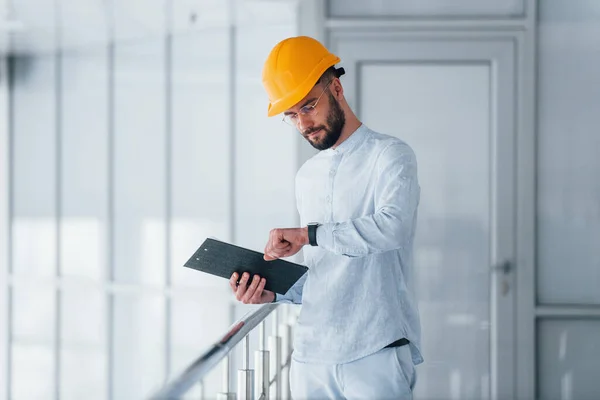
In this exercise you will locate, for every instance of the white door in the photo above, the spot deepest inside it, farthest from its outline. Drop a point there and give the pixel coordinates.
(451, 98)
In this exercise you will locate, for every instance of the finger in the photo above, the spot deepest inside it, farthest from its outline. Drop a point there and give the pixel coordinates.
(281, 244)
(276, 252)
(272, 254)
(281, 252)
(244, 279)
(242, 287)
(291, 251)
(259, 291)
(268, 247)
(280, 248)
(276, 238)
(233, 281)
(251, 289)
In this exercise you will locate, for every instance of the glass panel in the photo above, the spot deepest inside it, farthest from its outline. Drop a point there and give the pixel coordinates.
(568, 359)
(200, 148)
(452, 249)
(34, 313)
(34, 245)
(568, 215)
(83, 342)
(83, 22)
(139, 163)
(34, 167)
(196, 324)
(83, 374)
(260, 208)
(84, 158)
(199, 15)
(137, 19)
(425, 8)
(139, 345)
(39, 20)
(266, 17)
(32, 372)
(83, 317)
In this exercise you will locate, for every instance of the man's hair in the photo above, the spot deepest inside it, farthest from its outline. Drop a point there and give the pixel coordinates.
(329, 74)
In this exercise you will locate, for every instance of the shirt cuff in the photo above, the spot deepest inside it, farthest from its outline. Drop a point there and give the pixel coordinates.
(325, 236)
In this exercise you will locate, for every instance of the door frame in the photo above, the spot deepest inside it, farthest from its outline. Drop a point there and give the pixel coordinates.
(315, 21)
(5, 194)
(512, 336)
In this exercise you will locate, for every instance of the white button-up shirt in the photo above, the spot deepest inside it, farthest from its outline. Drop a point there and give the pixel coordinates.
(357, 296)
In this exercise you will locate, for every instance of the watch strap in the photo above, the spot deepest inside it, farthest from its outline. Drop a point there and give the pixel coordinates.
(312, 234)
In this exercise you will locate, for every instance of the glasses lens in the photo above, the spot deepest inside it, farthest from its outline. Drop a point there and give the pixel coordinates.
(308, 110)
(289, 120)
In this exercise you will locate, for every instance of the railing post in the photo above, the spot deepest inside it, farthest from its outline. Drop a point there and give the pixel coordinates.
(261, 366)
(275, 357)
(246, 375)
(286, 352)
(226, 394)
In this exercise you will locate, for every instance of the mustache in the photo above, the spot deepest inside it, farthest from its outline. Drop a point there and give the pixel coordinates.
(312, 130)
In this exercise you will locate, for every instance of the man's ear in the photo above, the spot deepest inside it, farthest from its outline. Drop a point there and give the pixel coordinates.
(338, 90)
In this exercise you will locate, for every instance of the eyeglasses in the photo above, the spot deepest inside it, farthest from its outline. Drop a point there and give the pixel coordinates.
(308, 110)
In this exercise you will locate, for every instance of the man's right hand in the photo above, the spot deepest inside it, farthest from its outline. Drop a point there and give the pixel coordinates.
(250, 292)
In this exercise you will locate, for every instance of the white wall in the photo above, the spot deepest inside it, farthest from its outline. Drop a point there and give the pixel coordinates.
(568, 202)
(569, 142)
(426, 9)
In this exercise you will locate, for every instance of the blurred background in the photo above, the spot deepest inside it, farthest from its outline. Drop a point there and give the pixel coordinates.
(132, 130)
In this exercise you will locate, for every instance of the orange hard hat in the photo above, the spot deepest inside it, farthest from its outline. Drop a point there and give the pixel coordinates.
(292, 69)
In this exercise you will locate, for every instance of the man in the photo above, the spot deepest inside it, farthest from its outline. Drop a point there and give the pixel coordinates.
(358, 332)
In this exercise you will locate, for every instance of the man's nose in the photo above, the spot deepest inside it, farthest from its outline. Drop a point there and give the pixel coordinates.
(304, 122)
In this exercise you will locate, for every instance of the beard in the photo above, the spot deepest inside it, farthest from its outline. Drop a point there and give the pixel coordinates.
(332, 131)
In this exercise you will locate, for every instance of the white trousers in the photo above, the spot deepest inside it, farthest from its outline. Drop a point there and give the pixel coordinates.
(387, 374)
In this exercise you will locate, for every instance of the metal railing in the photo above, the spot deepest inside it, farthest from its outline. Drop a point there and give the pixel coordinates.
(266, 381)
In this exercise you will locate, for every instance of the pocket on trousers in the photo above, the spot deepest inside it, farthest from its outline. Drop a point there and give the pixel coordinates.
(403, 362)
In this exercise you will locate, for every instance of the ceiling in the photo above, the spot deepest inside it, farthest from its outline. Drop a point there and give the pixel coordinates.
(40, 26)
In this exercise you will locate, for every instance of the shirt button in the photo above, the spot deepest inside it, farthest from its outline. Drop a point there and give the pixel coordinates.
(332, 172)
(328, 199)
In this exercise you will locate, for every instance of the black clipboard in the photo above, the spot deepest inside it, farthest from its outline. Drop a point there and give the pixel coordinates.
(223, 259)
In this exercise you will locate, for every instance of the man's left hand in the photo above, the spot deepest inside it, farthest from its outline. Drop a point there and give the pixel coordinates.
(285, 242)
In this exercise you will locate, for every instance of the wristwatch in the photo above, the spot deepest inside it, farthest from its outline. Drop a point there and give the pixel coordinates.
(312, 233)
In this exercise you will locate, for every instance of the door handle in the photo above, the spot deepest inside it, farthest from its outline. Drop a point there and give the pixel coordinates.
(505, 267)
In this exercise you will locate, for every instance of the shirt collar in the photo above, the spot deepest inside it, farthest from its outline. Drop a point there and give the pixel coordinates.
(351, 142)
